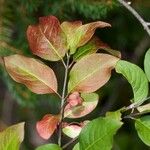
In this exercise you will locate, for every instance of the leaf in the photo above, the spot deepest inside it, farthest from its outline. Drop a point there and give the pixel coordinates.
(76, 147)
(72, 130)
(98, 134)
(49, 147)
(89, 48)
(147, 64)
(135, 77)
(142, 126)
(112, 51)
(11, 138)
(91, 72)
(46, 39)
(38, 77)
(47, 125)
(90, 101)
(78, 34)
(144, 109)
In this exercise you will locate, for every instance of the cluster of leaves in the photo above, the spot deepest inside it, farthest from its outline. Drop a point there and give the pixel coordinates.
(74, 45)
(13, 24)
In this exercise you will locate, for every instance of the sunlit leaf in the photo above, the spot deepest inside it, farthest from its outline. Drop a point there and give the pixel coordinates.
(11, 138)
(47, 125)
(142, 126)
(76, 147)
(49, 147)
(46, 39)
(135, 77)
(91, 47)
(144, 108)
(91, 72)
(90, 101)
(147, 64)
(78, 34)
(38, 77)
(98, 134)
(72, 130)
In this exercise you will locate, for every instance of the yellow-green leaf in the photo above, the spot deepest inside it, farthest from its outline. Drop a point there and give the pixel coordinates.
(11, 138)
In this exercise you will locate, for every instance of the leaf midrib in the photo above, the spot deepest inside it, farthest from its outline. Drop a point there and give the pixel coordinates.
(98, 68)
(26, 71)
(50, 44)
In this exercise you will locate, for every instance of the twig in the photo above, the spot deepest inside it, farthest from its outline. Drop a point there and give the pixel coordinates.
(63, 100)
(141, 20)
(70, 142)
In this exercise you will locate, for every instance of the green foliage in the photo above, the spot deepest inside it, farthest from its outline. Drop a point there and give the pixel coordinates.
(147, 64)
(49, 147)
(142, 126)
(135, 77)
(76, 147)
(98, 134)
(12, 137)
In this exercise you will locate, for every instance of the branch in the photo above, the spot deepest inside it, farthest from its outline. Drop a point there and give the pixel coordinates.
(63, 100)
(141, 20)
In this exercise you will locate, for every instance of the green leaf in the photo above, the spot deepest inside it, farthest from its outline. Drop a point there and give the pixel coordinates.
(11, 138)
(90, 101)
(91, 72)
(142, 126)
(49, 147)
(38, 77)
(135, 77)
(91, 47)
(147, 64)
(98, 134)
(76, 147)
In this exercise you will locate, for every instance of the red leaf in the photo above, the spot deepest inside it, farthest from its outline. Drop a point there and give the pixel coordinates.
(47, 125)
(46, 39)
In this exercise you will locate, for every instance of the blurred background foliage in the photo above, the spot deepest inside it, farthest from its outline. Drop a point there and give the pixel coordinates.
(127, 35)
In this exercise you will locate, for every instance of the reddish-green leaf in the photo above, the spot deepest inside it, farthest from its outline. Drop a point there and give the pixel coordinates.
(46, 39)
(78, 34)
(72, 130)
(90, 101)
(47, 125)
(91, 72)
(38, 77)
